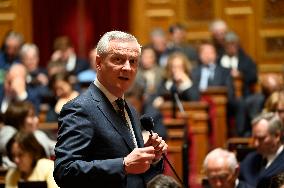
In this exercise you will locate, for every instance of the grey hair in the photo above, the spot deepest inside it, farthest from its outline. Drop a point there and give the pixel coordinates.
(218, 24)
(274, 122)
(231, 37)
(103, 44)
(158, 32)
(226, 155)
(27, 47)
(15, 35)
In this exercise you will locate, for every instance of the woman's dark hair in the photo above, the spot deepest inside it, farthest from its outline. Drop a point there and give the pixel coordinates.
(17, 113)
(62, 76)
(28, 143)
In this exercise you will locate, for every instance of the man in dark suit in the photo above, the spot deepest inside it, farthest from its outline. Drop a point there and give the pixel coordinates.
(222, 169)
(238, 62)
(99, 140)
(65, 52)
(268, 160)
(15, 88)
(209, 73)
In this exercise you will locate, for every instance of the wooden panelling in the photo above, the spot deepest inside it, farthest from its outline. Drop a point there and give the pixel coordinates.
(16, 15)
(248, 18)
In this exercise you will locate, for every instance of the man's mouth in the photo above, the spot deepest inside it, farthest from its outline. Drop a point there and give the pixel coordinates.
(123, 78)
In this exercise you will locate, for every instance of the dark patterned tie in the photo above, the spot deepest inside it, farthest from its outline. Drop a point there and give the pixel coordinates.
(121, 105)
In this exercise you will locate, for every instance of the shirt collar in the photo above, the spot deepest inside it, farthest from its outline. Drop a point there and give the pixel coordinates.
(108, 94)
(271, 158)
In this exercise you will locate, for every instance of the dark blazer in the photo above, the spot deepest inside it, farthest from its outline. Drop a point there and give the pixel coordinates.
(252, 172)
(221, 77)
(80, 66)
(248, 69)
(92, 142)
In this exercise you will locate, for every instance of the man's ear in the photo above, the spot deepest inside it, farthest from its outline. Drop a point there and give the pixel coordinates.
(98, 62)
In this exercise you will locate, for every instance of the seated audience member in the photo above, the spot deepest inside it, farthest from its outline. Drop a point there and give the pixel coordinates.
(31, 162)
(149, 72)
(222, 169)
(89, 75)
(238, 62)
(208, 73)
(64, 92)
(135, 95)
(163, 181)
(277, 181)
(21, 115)
(218, 30)
(16, 89)
(254, 104)
(64, 51)
(260, 166)
(280, 106)
(178, 43)
(158, 41)
(36, 76)
(177, 79)
(9, 53)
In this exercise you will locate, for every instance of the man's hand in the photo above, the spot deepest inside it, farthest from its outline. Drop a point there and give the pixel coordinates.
(139, 160)
(159, 145)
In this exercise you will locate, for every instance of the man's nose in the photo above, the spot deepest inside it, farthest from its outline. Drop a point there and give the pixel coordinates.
(127, 65)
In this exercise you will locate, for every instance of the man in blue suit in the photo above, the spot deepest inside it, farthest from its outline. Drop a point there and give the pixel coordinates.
(268, 160)
(96, 146)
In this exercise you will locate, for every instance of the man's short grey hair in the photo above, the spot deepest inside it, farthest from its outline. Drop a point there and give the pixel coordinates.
(275, 124)
(218, 24)
(226, 155)
(231, 37)
(27, 47)
(158, 32)
(103, 44)
(15, 35)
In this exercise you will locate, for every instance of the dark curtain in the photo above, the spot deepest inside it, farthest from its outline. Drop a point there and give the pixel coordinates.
(84, 21)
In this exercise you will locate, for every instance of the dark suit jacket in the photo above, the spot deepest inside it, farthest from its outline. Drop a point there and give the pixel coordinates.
(252, 172)
(248, 69)
(92, 143)
(80, 66)
(221, 77)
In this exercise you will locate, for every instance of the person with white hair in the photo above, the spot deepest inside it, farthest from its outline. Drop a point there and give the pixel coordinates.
(218, 29)
(222, 169)
(260, 166)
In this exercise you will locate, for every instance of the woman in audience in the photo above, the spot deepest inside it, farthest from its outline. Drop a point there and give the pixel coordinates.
(21, 115)
(62, 86)
(177, 80)
(30, 159)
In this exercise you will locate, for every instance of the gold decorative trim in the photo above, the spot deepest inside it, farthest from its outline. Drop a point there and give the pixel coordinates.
(238, 10)
(272, 33)
(160, 13)
(158, 1)
(7, 16)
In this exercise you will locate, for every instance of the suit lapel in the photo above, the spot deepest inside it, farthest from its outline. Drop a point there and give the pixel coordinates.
(113, 118)
(274, 165)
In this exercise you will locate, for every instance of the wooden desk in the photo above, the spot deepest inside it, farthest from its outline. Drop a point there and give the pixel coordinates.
(196, 117)
(176, 137)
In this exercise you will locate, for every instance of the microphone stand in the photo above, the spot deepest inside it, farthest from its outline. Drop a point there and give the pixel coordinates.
(169, 163)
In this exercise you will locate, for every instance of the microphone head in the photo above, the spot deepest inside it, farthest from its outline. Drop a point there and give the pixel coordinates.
(147, 122)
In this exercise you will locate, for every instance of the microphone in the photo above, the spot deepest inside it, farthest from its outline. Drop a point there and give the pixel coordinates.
(176, 100)
(148, 124)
